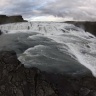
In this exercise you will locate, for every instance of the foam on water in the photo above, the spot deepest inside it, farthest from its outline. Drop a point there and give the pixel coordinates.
(69, 39)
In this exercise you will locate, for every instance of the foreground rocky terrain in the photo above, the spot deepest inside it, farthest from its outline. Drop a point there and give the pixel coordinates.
(15, 80)
(11, 19)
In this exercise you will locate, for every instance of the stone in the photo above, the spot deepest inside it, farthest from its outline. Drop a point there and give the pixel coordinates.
(16, 80)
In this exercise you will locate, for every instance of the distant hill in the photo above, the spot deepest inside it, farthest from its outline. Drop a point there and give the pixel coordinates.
(86, 25)
(11, 19)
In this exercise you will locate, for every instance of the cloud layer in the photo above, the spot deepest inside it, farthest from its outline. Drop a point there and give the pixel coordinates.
(50, 9)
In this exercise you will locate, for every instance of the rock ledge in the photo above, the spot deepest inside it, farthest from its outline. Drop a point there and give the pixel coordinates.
(15, 80)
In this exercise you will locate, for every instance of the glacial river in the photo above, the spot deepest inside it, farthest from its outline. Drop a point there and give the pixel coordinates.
(50, 46)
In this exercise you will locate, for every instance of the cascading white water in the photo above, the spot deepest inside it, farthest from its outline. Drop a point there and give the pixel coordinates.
(54, 45)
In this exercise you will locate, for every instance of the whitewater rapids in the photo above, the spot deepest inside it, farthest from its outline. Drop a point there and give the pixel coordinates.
(54, 47)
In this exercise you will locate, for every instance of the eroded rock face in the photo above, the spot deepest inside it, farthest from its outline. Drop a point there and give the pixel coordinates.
(87, 25)
(15, 80)
(11, 19)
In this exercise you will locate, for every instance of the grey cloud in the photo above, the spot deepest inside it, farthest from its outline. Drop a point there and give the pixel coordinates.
(77, 9)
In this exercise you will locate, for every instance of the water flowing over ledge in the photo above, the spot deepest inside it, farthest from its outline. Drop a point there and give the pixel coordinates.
(58, 47)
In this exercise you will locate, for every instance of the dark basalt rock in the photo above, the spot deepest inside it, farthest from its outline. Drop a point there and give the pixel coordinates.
(11, 19)
(73, 86)
(15, 80)
(86, 25)
(0, 32)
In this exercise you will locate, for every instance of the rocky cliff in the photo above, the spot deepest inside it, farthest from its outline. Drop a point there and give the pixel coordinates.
(16, 80)
(86, 25)
(11, 19)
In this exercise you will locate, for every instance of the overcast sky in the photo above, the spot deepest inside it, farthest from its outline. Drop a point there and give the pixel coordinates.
(52, 10)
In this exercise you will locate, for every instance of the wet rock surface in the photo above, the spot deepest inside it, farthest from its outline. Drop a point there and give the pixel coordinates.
(15, 80)
(73, 86)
